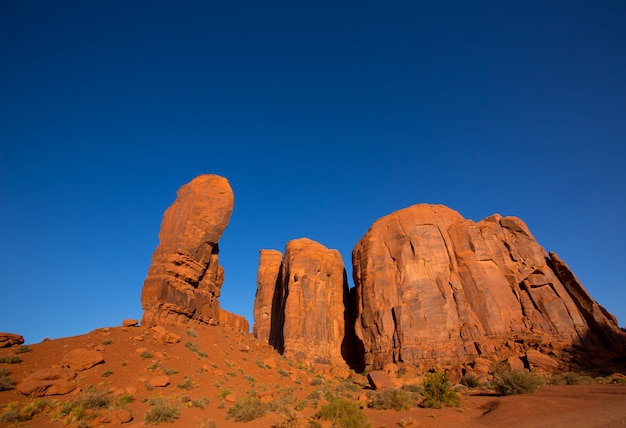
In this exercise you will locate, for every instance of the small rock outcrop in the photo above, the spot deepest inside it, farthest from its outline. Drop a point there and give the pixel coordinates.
(10, 339)
(185, 278)
(45, 382)
(432, 286)
(301, 305)
(82, 359)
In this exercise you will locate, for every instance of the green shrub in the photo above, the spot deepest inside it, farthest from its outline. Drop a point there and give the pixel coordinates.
(191, 332)
(14, 412)
(161, 411)
(515, 382)
(10, 359)
(343, 413)
(146, 354)
(437, 391)
(317, 381)
(470, 380)
(123, 400)
(396, 399)
(194, 348)
(224, 393)
(6, 383)
(247, 410)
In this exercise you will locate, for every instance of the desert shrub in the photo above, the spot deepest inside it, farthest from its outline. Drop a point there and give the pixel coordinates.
(107, 373)
(247, 410)
(161, 411)
(343, 413)
(107, 342)
(199, 402)
(396, 399)
(22, 349)
(224, 393)
(470, 380)
(11, 414)
(207, 423)
(194, 348)
(283, 373)
(6, 383)
(317, 381)
(146, 354)
(123, 400)
(413, 388)
(515, 382)
(569, 378)
(437, 391)
(10, 359)
(93, 398)
(186, 383)
(191, 332)
(14, 412)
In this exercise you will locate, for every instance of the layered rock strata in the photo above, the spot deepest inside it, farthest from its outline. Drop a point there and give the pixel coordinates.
(185, 278)
(431, 285)
(301, 306)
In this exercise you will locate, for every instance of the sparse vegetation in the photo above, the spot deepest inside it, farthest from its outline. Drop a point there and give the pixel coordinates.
(123, 400)
(406, 422)
(317, 381)
(224, 393)
(6, 383)
(107, 342)
(283, 373)
(161, 410)
(570, 378)
(194, 348)
(396, 399)
(107, 373)
(247, 409)
(15, 412)
(10, 359)
(470, 380)
(343, 413)
(85, 406)
(146, 354)
(187, 383)
(22, 349)
(507, 382)
(437, 391)
(191, 332)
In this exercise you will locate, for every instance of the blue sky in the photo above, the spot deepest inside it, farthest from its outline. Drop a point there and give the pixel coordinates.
(324, 116)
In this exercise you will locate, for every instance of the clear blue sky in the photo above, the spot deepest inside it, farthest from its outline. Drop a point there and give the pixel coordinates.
(324, 116)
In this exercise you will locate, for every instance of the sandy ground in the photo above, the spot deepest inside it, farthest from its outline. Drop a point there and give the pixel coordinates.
(229, 365)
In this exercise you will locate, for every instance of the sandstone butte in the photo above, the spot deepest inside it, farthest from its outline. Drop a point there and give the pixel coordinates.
(185, 278)
(301, 305)
(433, 287)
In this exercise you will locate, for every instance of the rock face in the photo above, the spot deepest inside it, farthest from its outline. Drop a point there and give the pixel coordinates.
(54, 381)
(301, 306)
(269, 277)
(431, 285)
(185, 278)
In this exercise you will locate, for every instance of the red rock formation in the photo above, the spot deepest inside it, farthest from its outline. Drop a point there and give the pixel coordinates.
(306, 302)
(269, 275)
(185, 279)
(431, 285)
(10, 339)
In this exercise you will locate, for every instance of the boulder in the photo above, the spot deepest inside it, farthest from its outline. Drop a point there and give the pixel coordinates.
(541, 362)
(130, 322)
(269, 275)
(53, 381)
(309, 314)
(161, 334)
(159, 381)
(185, 278)
(10, 339)
(432, 286)
(82, 359)
(117, 417)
